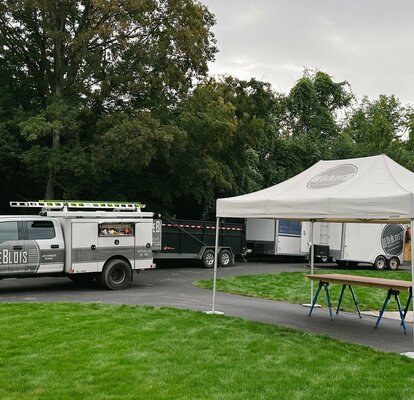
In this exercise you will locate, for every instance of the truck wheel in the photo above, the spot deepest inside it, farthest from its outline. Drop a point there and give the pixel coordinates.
(380, 263)
(208, 259)
(393, 263)
(82, 279)
(225, 258)
(116, 275)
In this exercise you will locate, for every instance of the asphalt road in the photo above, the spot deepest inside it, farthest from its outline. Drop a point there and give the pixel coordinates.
(172, 287)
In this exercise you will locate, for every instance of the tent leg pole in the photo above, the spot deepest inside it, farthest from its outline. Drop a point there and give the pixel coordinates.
(411, 353)
(412, 272)
(213, 304)
(312, 257)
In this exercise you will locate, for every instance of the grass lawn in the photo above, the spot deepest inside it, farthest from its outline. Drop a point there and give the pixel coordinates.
(293, 287)
(87, 351)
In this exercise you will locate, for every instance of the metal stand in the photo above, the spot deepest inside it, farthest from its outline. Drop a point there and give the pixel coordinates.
(396, 294)
(320, 286)
(353, 297)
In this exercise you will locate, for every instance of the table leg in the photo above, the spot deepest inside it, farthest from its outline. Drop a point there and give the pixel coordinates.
(355, 300)
(407, 306)
(315, 298)
(325, 286)
(397, 299)
(383, 308)
(340, 298)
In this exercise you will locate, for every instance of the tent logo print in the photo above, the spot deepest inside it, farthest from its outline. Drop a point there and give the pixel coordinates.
(333, 176)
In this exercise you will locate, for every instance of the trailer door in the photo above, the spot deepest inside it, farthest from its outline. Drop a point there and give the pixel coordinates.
(84, 247)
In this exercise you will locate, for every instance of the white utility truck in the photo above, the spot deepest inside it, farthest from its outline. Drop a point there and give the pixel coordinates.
(81, 240)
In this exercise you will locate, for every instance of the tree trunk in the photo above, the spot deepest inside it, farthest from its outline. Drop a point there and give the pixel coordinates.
(57, 89)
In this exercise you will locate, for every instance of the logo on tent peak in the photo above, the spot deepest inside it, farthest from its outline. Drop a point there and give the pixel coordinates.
(333, 176)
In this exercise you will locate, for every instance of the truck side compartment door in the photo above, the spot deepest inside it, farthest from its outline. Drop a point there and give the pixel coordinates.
(84, 253)
(143, 243)
(115, 239)
(44, 245)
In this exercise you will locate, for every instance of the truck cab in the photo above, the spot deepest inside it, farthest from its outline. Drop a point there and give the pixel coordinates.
(30, 245)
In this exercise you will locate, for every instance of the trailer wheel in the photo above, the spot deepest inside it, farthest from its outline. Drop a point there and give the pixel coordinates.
(208, 259)
(225, 258)
(116, 275)
(380, 263)
(341, 263)
(393, 263)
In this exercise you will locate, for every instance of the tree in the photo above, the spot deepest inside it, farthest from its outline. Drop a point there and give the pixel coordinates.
(85, 58)
(381, 126)
(227, 123)
(314, 104)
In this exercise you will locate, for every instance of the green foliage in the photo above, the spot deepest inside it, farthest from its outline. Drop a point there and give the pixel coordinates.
(381, 126)
(112, 100)
(74, 63)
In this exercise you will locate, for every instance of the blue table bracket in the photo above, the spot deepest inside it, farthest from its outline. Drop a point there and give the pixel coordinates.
(353, 297)
(321, 285)
(396, 295)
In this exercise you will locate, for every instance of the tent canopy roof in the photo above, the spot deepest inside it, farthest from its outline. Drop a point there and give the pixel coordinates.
(369, 189)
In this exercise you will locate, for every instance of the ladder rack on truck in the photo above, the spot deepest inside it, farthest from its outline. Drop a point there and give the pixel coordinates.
(84, 241)
(195, 240)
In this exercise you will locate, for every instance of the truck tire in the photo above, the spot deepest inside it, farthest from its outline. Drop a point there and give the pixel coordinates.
(380, 263)
(116, 275)
(393, 263)
(225, 258)
(82, 279)
(208, 259)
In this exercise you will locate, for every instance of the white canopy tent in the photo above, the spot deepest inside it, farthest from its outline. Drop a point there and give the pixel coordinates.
(370, 189)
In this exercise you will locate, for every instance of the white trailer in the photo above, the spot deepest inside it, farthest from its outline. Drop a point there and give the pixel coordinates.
(378, 244)
(349, 244)
(82, 245)
(274, 237)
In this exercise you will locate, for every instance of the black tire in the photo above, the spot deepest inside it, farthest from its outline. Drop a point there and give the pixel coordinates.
(380, 263)
(225, 258)
(82, 279)
(393, 263)
(208, 259)
(116, 275)
(353, 264)
(341, 263)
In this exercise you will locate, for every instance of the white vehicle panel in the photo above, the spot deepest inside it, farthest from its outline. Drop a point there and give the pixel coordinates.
(84, 245)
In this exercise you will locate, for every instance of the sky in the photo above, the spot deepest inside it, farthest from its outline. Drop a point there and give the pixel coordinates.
(368, 43)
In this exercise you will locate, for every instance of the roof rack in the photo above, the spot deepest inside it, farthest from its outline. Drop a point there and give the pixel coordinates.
(84, 208)
(93, 205)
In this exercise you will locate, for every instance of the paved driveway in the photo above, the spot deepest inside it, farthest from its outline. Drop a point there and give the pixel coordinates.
(173, 287)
